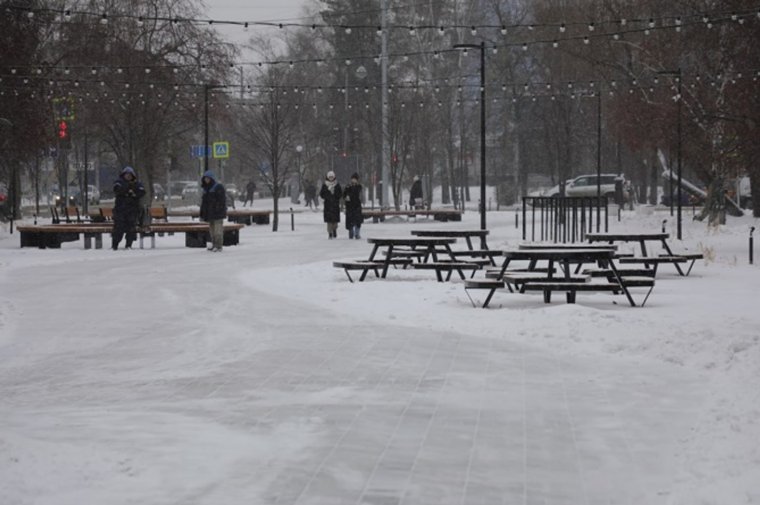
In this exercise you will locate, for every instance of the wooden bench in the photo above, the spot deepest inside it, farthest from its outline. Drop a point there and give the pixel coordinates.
(490, 284)
(436, 214)
(248, 217)
(106, 213)
(72, 215)
(52, 236)
(158, 214)
(447, 266)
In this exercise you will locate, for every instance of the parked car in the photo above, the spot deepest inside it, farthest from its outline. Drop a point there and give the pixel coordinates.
(191, 193)
(586, 185)
(76, 197)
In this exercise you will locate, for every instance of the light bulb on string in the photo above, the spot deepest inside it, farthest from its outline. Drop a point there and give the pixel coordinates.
(591, 27)
(503, 30)
(104, 19)
(562, 28)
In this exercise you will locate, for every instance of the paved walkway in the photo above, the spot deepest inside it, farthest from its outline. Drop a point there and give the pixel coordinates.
(291, 404)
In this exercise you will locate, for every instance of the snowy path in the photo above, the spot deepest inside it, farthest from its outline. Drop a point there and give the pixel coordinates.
(261, 376)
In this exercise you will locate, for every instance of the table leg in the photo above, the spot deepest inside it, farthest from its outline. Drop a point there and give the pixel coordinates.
(469, 243)
(670, 253)
(387, 261)
(622, 284)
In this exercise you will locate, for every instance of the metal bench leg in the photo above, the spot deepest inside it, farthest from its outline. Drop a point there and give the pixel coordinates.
(547, 295)
(87, 241)
(488, 298)
(467, 292)
(571, 296)
(690, 267)
(99, 241)
(348, 275)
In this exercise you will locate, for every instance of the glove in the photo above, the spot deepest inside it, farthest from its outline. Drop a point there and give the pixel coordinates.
(131, 192)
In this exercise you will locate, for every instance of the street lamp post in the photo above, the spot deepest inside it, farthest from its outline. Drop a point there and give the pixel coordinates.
(679, 99)
(482, 206)
(206, 88)
(12, 186)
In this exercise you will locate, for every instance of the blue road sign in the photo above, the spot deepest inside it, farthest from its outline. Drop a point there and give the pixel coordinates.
(199, 151)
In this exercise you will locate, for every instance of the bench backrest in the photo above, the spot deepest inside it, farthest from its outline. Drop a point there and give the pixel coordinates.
(106, 213)
(158, 213)
(72, 214)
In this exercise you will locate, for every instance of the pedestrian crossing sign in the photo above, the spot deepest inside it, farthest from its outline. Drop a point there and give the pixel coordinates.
(221, 150)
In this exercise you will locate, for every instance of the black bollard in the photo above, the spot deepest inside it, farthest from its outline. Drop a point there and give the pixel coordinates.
(517, 219)
(751, 241)
(663, 225)
(292, 220)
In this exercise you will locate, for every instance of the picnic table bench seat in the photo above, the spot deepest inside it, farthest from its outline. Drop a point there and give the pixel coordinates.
(447, 266)
(519, 279)
(366, 265)
(490, 284)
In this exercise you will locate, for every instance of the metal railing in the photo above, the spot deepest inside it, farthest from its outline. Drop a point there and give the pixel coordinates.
(563, 219)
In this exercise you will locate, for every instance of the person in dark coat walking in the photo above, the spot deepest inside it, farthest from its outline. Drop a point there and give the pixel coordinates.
(249, 190)
(415, 194)
(352, 196)
(213, 209)
(331, 193)
(126, 210)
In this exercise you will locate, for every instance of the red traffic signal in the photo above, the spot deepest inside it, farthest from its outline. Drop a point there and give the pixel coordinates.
(63, 131)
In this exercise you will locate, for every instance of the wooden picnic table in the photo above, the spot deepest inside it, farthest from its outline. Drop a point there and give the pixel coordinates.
(566, 257)
(642, 238)
(430, 245)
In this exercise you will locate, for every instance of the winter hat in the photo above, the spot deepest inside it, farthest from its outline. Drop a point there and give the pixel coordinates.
(331, 175)
(355, 176)
(416, 178)
(128, 170)
(209, 174)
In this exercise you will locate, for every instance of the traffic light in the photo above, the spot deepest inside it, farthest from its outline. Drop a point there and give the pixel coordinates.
(63, 134)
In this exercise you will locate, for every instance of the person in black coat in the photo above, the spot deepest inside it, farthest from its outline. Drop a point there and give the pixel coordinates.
(415, 194)
(250, 188)
(352, 196)
(213, 209)
(331, 193)
(126, 210)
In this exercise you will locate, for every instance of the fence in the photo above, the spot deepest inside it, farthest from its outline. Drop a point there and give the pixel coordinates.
(563, 219)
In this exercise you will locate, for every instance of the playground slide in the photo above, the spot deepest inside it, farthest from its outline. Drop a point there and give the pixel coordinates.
(692, 189)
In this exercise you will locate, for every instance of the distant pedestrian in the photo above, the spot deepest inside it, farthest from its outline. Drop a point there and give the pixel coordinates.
(128, 191)
(310, 194)
(415, 194)
(250, 188)
(352, 196)
(331, 193)
(213, 209)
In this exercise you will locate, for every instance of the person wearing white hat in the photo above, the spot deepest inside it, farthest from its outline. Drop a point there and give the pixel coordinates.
(331, 193)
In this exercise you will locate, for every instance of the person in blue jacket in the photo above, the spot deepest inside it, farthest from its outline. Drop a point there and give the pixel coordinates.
(213, 209)
(126, 210)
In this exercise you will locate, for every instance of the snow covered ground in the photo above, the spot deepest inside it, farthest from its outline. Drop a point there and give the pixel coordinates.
(261, 375)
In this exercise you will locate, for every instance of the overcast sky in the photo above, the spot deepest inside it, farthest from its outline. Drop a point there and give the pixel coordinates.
(251, 10)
